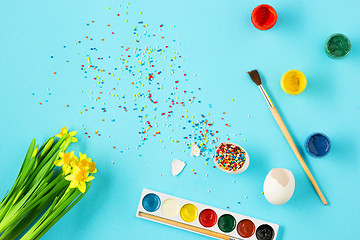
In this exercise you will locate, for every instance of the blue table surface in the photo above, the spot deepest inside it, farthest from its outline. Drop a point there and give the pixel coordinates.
(217, 44)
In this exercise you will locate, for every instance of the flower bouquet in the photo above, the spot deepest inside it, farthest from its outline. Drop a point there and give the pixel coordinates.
(42, 194)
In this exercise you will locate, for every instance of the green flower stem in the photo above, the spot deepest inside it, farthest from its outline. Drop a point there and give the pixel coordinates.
(15, 230)
(62, 207)
(11, 215)
(55, 191)
(47, 147)
(58, 182)
(50, 214)
(56, 219)
(51, 154)
(31, 185)
(31, 200)
(7, 200)
(56, 186)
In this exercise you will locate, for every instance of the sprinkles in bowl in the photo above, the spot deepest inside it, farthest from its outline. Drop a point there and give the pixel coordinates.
(231, 158)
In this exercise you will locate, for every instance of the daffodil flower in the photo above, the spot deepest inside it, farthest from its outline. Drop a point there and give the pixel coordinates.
(78, 178)
(66, 160)
(92, 167)
(68, 134)
(83, 164)
(86, 163)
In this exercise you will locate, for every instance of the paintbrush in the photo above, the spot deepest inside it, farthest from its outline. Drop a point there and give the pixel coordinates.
(254, 75)
(188, 227)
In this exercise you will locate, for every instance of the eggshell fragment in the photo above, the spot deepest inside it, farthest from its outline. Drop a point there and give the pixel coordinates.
(177, 166)
(195, 150)
(279, 186)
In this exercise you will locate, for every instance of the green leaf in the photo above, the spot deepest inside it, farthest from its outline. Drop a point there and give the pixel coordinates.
(47, 147)
(7, 200)
(58, 214)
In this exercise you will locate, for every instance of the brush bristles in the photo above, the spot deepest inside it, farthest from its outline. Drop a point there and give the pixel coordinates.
(254, 75)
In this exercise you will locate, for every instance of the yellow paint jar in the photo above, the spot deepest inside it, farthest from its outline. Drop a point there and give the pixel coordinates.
(189, 212)
(293, 82)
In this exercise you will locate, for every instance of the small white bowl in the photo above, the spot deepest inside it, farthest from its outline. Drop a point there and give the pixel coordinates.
(242, 169)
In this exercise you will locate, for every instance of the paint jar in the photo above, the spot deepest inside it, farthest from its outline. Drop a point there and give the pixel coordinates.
(293, 82)
(337, 46)
(264, 17)
(317, 145)
(220, 156)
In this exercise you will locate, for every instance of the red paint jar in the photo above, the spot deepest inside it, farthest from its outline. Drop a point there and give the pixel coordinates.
(208, 218)
(264, 17)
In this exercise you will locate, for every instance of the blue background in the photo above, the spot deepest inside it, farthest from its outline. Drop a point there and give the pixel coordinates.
(218, 44)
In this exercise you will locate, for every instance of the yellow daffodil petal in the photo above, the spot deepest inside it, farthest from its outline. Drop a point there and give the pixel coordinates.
(59, 162)
(68, 157)
(59, 135)
(74, 163)
(66, 168)
(61, 154)
(82, 156)
(74, 139)
(82, 186)
(76, 169)
(74, 183)
(72, 133)
(93, 171)
(89, 178)
(70, 177)
(89, 159)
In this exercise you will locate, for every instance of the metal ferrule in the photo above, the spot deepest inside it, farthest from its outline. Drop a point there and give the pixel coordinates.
(266, 96)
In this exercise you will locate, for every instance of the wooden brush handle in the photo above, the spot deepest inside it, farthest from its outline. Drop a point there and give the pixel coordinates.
(296, 151)
(186, 226)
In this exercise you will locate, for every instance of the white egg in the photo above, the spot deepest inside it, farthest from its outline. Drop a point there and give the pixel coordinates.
(279, 186)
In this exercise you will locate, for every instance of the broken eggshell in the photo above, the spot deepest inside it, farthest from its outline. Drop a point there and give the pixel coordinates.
(195, 150)
(279, 186)
(177, 166)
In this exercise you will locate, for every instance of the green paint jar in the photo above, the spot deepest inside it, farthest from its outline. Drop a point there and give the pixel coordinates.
(337, 46)
(226, 223)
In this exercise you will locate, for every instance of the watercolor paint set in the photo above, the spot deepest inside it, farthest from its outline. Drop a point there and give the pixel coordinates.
(202, 219)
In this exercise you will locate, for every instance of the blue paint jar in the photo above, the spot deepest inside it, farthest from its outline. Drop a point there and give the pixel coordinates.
(151, 202)
(317, 145)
